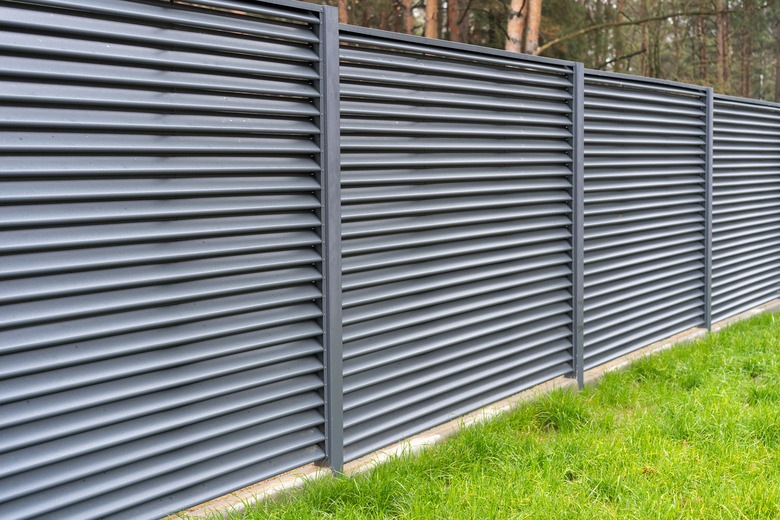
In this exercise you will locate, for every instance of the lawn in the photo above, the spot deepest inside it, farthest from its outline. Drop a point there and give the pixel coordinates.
(693, 432)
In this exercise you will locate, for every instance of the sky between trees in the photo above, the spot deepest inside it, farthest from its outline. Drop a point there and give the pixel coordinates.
(731, 45)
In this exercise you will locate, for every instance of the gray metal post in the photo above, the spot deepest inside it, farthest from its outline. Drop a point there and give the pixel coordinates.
(708, 210)
(578, 221)
(331, 240)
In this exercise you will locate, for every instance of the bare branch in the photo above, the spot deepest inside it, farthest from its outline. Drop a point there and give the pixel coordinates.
(608, 25)
(619, 58)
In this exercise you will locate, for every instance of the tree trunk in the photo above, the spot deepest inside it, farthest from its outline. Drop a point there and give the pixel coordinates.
(465, 26)
(619, 51)
(703, 50)
(645, 40)
(515, 26)
(408, 16)
(384, 20)
(343, 14)
(777, 63)
(747, 59)
(453, 15)
(720, 35)
(431, 18)
(533, 21)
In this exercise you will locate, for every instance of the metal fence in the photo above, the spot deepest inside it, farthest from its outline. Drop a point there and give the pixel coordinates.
(171, 230)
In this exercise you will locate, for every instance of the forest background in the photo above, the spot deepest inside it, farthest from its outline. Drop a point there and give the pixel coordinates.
(730, 45)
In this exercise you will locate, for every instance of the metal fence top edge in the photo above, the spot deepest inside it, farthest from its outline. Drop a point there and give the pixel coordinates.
(747, 101)
(642, 79)
(292, 4)
(455, 46)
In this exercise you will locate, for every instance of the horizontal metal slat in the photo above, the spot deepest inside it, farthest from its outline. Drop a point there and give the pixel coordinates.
(628, 96)
(723, 310)
(181, 373)
(57, 214)
(351, 75)
(74, 369)
(357, 126)
(451, 294)
(191, 15)
(303, 445)
(209, 410)
(37, 478)
(645, 331)
(107, 166)
(367, 345)
(453, 387)
(540, 242)
(117, 189)
(643, 236)
(394, 143)
(69, 305)
(42, 419)
(123, 478)
(428, 96)
(373, 58)
(354, 246)
(465, 202)
(400, 322)
(606, 326)
(114, 30)
(372, 368)
(376, 435)
(353, 195)
(365, 109)
(27, 240)
(417, 223)
(626, 283)
(71, 261)
(77, 50)
(651, 335)
(448, 264)
(474, 353)
(382, 292)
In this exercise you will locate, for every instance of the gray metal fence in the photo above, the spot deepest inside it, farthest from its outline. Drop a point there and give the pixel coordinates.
(171, 224)
(746, 205)
(164, 244)
(645, 176)
(456, 213)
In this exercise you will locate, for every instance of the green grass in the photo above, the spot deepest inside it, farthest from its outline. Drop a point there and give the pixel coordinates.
(693, 432)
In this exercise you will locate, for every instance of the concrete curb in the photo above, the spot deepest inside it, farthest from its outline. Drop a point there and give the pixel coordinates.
(281, 485)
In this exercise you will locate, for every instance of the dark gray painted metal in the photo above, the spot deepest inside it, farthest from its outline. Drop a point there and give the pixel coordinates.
(708, 214)
(746, 205)
(331, 211)
(161, 276)
(578, 224)
(645, 159)
(456, 192)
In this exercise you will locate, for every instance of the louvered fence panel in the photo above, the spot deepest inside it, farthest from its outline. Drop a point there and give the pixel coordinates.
(645, 156)
(161, 333)
(456, 179)
(746, 205)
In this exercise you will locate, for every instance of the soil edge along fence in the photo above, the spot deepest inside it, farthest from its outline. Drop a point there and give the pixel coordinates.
(201, 201)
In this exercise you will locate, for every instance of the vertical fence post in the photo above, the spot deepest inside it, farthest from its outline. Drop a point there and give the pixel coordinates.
(578, 221)
(709, 119)
(330, 215)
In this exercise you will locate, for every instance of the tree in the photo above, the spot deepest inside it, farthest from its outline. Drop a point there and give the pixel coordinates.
(431, 18)
(453, 17)
(408, 16)
(515, 26)
(343, 13)
(533, 19)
